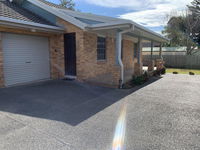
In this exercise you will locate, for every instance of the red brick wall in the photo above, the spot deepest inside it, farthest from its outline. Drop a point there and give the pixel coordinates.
(128, 59)
(57, 56)
(92, 70)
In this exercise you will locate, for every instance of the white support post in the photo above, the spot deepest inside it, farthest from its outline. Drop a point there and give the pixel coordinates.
(160, 52)
(139, 50)
(152, 45)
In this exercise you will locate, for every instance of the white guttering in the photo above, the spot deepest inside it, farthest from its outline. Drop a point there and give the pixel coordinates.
(105, 26)
(119, 52)
(21, 23)
(59, 14)
(149, 31)
(91, 16)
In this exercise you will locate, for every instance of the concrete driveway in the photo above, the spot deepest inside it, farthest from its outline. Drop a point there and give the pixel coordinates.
(66, 115)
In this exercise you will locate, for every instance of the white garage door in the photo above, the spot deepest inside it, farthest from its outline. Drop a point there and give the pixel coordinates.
(26, 58)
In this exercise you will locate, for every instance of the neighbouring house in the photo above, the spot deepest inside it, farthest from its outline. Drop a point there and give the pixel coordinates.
(40, 40)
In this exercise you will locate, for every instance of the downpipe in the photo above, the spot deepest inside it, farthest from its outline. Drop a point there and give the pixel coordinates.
(119, 50)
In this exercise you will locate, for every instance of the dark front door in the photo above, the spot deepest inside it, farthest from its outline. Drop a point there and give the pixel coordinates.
(70, 54)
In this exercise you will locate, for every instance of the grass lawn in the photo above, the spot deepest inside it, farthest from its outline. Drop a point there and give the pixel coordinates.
(183, 71)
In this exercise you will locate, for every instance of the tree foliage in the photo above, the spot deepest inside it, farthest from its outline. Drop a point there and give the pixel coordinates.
(195, 7)
(67, 4)
(184, 30)
(195, 20)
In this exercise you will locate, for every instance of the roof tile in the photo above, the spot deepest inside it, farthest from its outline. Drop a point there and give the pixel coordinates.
(14, 11)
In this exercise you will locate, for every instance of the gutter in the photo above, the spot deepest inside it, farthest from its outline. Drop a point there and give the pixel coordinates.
(119, 51)
(110, 25)
(31, 25)
(140, 27)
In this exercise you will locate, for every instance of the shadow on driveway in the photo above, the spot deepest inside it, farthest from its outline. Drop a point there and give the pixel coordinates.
(66, 101)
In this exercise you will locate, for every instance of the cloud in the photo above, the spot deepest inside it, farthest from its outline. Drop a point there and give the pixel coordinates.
(131, 4)
(150, 18)
(150, 13)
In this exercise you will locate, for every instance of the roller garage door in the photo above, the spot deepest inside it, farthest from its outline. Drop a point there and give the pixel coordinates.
(25, 58)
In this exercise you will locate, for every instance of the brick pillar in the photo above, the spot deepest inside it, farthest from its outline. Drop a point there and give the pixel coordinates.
(151, 65)
(1, 63)
(115, 70)
(138, 65)
(159, 64)
(57, 56)
(138, 69)
(160, 51)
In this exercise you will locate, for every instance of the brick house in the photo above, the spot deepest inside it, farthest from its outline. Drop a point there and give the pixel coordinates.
(40, 40)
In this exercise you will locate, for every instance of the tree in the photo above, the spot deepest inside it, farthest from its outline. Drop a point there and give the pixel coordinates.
(183, 30)
(67, 4)
(194, 9)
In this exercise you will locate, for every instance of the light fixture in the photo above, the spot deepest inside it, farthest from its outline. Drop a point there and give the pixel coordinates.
(33, 30)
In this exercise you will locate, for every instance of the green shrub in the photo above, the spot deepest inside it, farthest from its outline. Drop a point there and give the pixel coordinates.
(160, 72)
(140, 79)
(163, 71)
(191, 73)
(175, 72)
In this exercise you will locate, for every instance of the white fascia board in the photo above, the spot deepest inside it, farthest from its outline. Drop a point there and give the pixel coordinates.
(111, 25)
(59, 14)
(5, 19)
(140, 27)
(116, 23)
(91, 16)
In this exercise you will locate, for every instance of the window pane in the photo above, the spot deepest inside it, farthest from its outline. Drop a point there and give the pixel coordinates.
(135, 49)
(101, 48)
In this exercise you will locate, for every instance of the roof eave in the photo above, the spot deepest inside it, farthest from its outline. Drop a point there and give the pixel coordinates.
(31, 25)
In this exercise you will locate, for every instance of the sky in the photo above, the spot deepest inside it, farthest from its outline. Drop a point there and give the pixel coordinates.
(149, 13)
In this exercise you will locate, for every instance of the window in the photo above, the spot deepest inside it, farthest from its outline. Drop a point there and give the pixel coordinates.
(135, 50)
(101, 48)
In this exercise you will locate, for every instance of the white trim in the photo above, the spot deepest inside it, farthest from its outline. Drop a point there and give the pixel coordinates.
(104, 26)
(90, 16)
(10, 20)
(59, 14)
(70, 77)
(101, 35)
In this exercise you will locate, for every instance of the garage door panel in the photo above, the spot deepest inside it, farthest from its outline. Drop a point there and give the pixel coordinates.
(26, 58)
